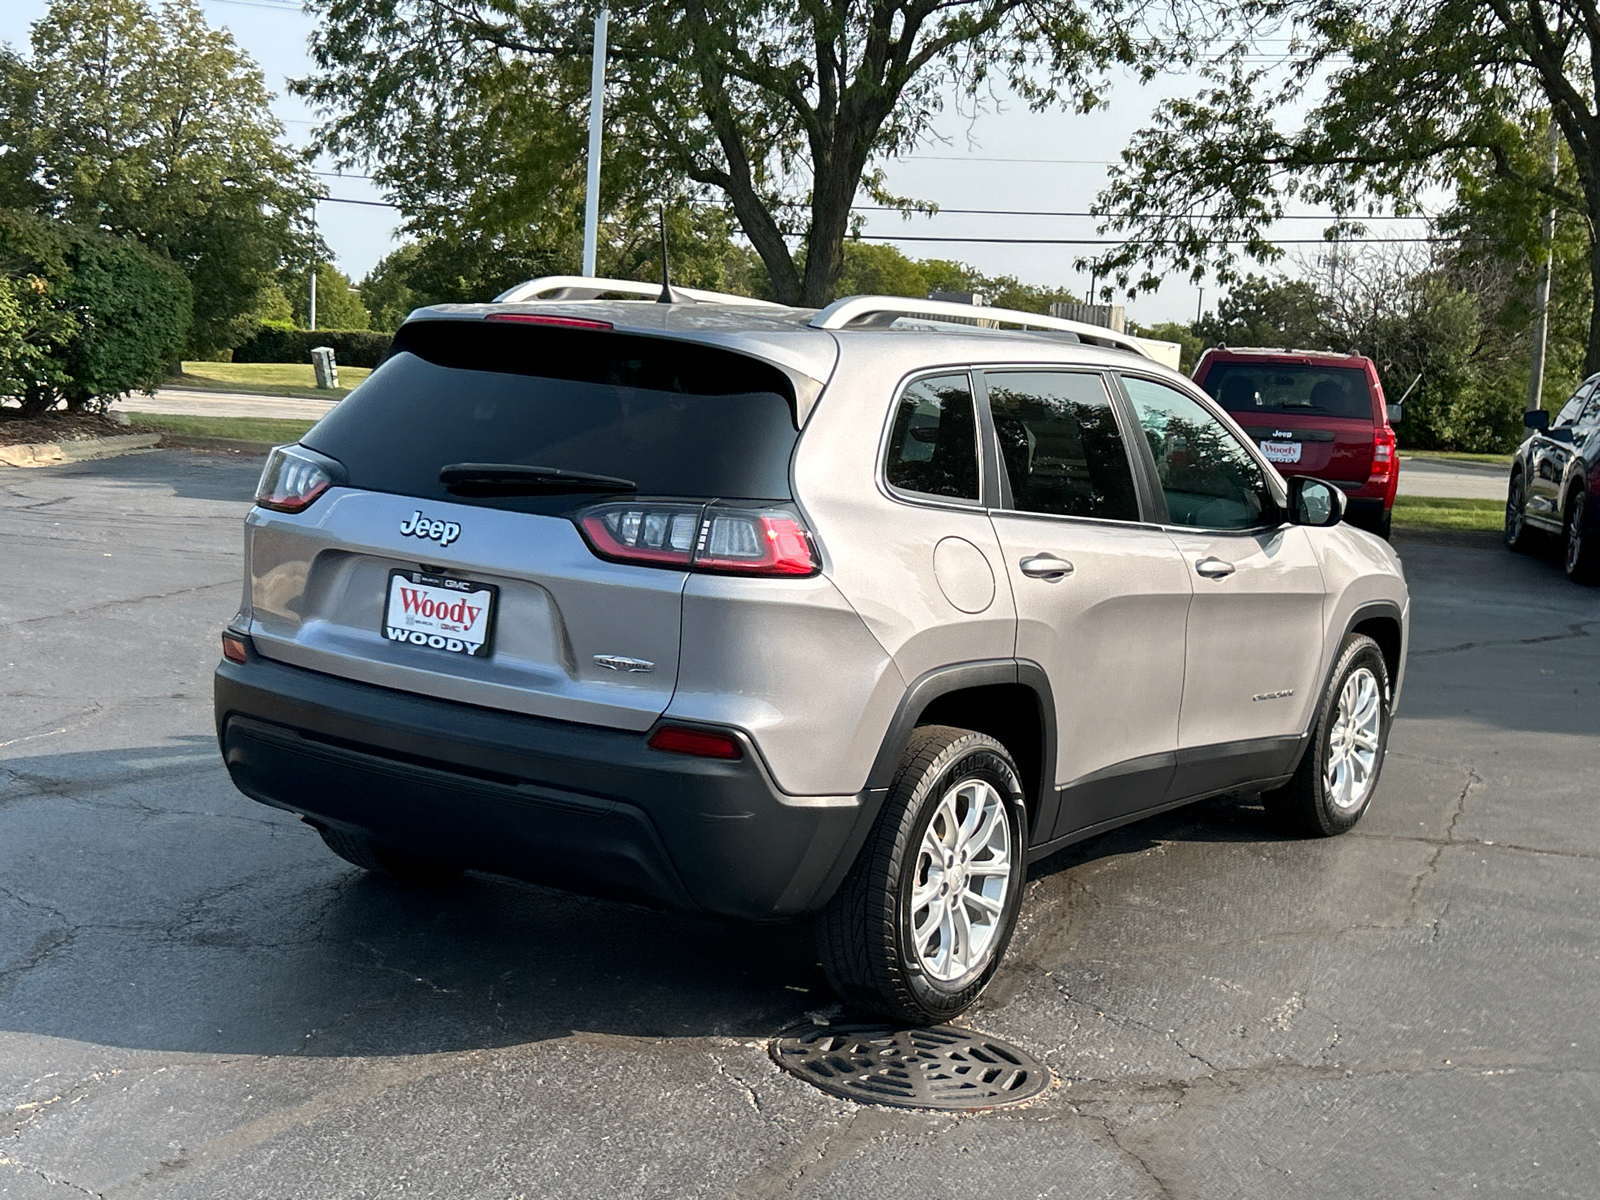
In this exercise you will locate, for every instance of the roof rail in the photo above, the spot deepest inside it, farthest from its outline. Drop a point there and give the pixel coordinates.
(879, 312)
(588, 287)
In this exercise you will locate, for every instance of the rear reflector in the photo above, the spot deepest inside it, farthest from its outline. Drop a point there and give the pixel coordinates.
(702, 743)
(235, 648)
(561, 322)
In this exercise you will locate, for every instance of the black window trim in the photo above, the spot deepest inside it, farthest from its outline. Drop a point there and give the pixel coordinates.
(984, 437)
(1152, 508)
(1273, 520)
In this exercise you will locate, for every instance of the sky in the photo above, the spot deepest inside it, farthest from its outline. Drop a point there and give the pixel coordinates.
(1010, 159)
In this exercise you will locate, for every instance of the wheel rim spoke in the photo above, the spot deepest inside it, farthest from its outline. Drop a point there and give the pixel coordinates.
(1354, 738)
(963, 880)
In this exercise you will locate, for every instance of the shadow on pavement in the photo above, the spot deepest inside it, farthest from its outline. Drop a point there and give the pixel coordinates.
(145, 904)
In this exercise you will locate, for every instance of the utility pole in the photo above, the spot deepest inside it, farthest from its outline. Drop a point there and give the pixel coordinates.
(1541, 287)
(1200, 306)
(597, 101)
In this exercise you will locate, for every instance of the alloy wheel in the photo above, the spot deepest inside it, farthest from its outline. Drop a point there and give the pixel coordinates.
(1514, 514)
(1575, 531)
(963, 876)
(1352, 758)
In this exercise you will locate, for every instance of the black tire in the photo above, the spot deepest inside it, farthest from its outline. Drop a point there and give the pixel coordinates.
(1578, 549)
(865, 935)
(397, 864)
(1517, 535)
(1385, 527)
(1304, 806)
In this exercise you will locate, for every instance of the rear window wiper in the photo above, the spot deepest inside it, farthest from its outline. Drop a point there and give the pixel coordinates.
(517, 479)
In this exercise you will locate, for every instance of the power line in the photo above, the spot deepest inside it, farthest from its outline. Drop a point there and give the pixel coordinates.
(893, 237)
(1049, 212)
(342, 200)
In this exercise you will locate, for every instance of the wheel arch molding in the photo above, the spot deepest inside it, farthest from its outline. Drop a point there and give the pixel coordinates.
(1009, 699)
(1384, 623)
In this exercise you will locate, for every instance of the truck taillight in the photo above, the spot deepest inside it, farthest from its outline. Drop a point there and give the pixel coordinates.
(712, 538)
(1383, 449)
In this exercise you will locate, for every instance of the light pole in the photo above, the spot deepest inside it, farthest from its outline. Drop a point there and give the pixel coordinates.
(597, 100)
(313, 313)
(1541, 287)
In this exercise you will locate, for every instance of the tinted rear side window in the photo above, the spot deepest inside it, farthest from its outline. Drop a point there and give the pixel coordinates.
(933, 448)
(1061, 446)
(676, 418)
(1290, 389)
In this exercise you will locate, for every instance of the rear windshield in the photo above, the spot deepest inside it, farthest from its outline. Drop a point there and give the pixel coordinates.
(1290, 389)
(678, 419)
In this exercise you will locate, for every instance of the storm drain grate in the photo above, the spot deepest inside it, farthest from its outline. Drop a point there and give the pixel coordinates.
(939, 1067)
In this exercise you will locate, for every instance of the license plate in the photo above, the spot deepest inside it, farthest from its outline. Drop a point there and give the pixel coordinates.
(440, 613)
(1281, 452)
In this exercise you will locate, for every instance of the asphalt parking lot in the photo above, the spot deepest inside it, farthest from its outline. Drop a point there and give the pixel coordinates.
(197, 1000)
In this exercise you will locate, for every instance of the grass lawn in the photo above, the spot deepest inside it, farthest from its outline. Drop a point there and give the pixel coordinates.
(1499, 460)
(264, 379)
(244, 429)
(1437, 512)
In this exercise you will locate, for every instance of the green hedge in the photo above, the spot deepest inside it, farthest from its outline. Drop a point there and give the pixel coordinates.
(351, 347)
(125, 311)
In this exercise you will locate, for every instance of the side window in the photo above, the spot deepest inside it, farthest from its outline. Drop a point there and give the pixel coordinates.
(1591, 410)
(933, 447)
(1570, 410)
(1061, 446)
(1210, 480)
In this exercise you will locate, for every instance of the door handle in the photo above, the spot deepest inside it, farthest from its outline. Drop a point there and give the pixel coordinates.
(1045, 566)
(1214, 568)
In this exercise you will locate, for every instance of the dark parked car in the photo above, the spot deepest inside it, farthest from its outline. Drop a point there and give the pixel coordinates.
(1553, 481)
(1314, 413)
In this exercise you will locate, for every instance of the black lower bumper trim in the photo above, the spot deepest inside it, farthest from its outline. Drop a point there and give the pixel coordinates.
(579, 807)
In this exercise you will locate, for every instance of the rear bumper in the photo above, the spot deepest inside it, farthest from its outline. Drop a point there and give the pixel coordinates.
(580, 807)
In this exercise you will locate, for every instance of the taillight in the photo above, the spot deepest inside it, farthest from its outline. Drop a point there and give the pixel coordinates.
(713, 538)
(234, 647)
(663, 534)
(703, 743)
(293, 478)
(1383, 447)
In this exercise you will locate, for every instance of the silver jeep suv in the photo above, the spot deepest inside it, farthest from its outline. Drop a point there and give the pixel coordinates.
(766, 612)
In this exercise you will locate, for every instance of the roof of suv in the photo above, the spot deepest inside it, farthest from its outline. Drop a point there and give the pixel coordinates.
(1329, 358)
(791, 339)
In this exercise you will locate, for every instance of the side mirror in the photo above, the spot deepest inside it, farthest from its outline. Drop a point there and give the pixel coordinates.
(1314, 502)
(1396, 412)
(1536, 418)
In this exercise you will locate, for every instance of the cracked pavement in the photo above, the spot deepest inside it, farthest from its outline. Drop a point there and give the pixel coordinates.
(197, 1000)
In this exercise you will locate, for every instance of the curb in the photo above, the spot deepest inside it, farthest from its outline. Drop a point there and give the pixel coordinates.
(173, 441)
(53, 454)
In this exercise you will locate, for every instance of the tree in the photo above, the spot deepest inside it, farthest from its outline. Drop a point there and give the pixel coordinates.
(785, 112)
(156, 127)
(95, 316)
(339, 306)
(1284, 313)
(1418, 96)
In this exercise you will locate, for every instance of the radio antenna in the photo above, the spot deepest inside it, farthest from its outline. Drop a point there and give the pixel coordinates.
(666, 296)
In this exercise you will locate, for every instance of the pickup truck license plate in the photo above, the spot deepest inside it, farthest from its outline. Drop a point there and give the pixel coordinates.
(440, 613)
(1281, 452)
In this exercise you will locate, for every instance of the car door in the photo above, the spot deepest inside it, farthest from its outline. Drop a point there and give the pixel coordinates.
(1255, 628)
(1102, 597)
(1549, 458)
